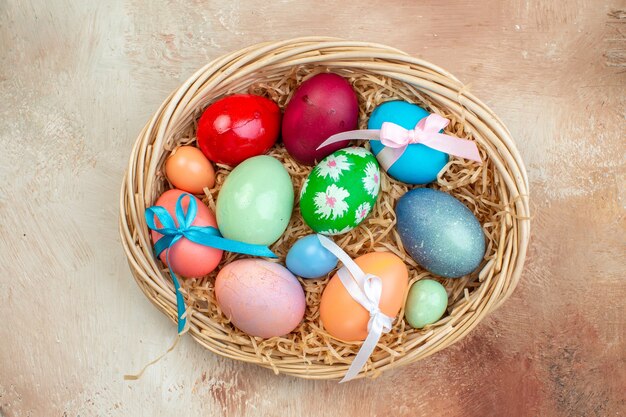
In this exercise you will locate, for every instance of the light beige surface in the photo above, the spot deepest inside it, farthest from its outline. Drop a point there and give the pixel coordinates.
(79, 79)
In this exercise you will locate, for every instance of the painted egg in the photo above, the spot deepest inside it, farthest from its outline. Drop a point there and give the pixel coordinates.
(255, 202)
(259, 297)
(307, 258)
(188, 259)
(188, 169)
(419, 164)
(346, 319)
(426, 303)
(439, 232)
(340, 191)
(238, 127)
(323, 105)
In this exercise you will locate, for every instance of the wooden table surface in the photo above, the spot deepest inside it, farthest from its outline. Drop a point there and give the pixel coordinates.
(80, 78)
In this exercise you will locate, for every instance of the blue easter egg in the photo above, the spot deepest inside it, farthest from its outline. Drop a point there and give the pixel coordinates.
(419, 164)
(307, 258)
(440, 233)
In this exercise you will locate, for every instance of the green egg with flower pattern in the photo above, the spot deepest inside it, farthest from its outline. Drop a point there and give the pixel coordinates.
(340, 192)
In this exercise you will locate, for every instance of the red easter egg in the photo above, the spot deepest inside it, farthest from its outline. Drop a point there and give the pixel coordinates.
(238, 127)
(187, 258)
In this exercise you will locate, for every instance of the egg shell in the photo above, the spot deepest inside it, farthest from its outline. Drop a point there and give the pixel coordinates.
(346, 319)
(255, 202)
(341, 191)
(322, 106)
(419, 164)
(187, 258)
(259, 297)
(189, 170)
(238, 127)
(439, 232)
(426, 303)
(307, 258)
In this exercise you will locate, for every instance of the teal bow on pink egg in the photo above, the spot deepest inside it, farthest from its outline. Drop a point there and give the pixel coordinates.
(203, 235)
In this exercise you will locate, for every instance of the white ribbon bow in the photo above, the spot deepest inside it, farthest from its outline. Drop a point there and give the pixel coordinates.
(365, 289)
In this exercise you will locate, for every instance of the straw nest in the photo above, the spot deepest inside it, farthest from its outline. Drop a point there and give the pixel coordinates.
(496, 192)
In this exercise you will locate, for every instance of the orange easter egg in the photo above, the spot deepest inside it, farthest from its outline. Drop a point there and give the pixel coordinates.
(346, 319)
(189, 170)
(187, 258)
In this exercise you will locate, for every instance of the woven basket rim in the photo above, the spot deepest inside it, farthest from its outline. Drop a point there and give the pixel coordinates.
(138, 192)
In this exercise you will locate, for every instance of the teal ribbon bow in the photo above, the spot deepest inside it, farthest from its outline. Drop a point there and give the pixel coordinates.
(203, 235)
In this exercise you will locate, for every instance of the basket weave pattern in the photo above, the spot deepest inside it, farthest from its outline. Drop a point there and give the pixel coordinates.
(378, 73)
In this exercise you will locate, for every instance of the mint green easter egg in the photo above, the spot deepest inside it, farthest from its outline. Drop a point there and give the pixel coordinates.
(255, 202)
(340, 191)
(426, 303)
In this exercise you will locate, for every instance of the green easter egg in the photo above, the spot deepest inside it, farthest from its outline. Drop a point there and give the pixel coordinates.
(426, 303)
(340, 191)
(255, 202)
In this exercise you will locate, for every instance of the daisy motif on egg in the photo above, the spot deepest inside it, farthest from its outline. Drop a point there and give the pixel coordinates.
(333, 166)
(371, 180)
(361, 212)
(332, 202)
(340, 192)
(305, 184)
(358, 151)
(333, 232)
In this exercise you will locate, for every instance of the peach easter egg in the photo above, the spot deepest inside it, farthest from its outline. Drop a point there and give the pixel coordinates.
(346, 319)
(188, 169)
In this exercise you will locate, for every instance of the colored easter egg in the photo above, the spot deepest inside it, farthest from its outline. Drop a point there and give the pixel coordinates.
(259, 297)
(307, 258)
(322, 106)
(340, 191)
(255, 202)
(419, 164)
(426, 303)
(343, 317)
(188, 169)
(187, 258)
(238, 127)
(439, 232)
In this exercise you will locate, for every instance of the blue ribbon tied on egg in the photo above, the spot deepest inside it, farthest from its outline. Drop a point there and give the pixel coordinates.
(203, 235)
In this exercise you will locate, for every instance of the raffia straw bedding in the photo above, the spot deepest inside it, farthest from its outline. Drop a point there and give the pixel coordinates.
(495, 191)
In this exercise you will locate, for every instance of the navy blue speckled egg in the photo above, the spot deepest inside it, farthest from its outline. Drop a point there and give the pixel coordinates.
(440, 233)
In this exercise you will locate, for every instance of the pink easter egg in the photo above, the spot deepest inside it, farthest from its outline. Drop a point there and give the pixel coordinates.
(259, 297)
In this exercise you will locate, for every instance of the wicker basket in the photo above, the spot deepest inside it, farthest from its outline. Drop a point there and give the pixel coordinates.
(265, 63)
